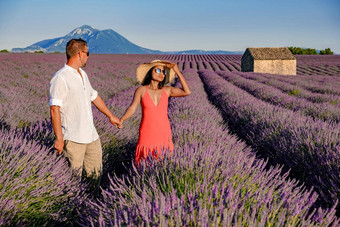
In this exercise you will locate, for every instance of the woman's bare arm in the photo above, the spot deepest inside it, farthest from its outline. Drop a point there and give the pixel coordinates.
(132, 108)
(179, 92)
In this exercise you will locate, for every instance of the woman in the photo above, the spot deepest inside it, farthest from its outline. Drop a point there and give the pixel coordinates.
(155, 132)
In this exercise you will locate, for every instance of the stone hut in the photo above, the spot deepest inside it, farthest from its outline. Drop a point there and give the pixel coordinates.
(274, 60)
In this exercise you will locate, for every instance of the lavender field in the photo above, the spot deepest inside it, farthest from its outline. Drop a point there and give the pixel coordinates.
(251, 149)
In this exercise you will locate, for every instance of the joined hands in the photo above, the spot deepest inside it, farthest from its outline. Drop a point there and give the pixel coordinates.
(116, 122)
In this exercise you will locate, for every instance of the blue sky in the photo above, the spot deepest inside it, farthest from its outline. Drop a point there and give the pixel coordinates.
(178, 25)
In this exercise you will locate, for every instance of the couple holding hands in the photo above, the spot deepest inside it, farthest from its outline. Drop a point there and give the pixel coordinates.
(71, 95)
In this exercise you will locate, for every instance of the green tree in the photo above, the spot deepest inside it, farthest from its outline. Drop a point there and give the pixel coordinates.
(310, 51)
(327, 51)
(4, 51)
(296, 50)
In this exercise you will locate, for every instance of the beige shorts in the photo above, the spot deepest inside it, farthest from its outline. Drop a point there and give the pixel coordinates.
(88, 156)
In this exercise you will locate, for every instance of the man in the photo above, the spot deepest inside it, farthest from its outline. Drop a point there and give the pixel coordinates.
(71, 95)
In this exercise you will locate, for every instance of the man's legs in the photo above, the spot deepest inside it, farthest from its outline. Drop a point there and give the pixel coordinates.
(75, 153)
(88, 156)
(93, 159)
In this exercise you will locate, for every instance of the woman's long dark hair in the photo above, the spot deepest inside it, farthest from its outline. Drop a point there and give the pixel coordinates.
(148, 78)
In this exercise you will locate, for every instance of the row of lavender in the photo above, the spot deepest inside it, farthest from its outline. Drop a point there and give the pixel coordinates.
(306, 65)
(309, 65)
(110, 72)
(197, 147)
(234, 65)
(36, 186)
(309, 148)
(20, 71)
(317, 89)
(330, 60)
(211, 178)
(319, 98)
(289, 100)
(321, 65)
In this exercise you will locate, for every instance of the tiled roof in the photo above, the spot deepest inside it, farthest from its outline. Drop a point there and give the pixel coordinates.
(270, 53)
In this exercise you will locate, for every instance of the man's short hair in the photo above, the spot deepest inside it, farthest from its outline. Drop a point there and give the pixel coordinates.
(74, 46)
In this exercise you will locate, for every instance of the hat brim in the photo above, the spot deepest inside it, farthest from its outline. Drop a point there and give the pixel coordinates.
(144, 68)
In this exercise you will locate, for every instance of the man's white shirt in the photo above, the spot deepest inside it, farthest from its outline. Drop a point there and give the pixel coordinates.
(74, 95)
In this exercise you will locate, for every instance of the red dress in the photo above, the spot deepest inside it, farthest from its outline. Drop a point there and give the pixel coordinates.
(154, 132)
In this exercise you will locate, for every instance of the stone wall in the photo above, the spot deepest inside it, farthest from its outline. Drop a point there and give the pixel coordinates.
(247, 63)
(285, 67)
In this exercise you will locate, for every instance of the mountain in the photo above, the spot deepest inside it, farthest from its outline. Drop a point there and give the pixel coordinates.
(103, 42)
(98, 41)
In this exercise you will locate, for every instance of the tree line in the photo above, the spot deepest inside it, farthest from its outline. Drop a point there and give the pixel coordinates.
(309, 51)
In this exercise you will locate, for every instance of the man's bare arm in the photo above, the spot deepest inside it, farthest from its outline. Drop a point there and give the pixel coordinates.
(99, 103)
(56, 124)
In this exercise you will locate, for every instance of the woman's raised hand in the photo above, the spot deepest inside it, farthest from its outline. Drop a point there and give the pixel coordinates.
(173, 66)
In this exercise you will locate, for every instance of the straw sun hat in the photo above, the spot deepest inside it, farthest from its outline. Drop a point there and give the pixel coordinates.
(143, 69)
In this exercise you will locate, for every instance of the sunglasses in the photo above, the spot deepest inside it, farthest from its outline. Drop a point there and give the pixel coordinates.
(158, 70)
(87, 53)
